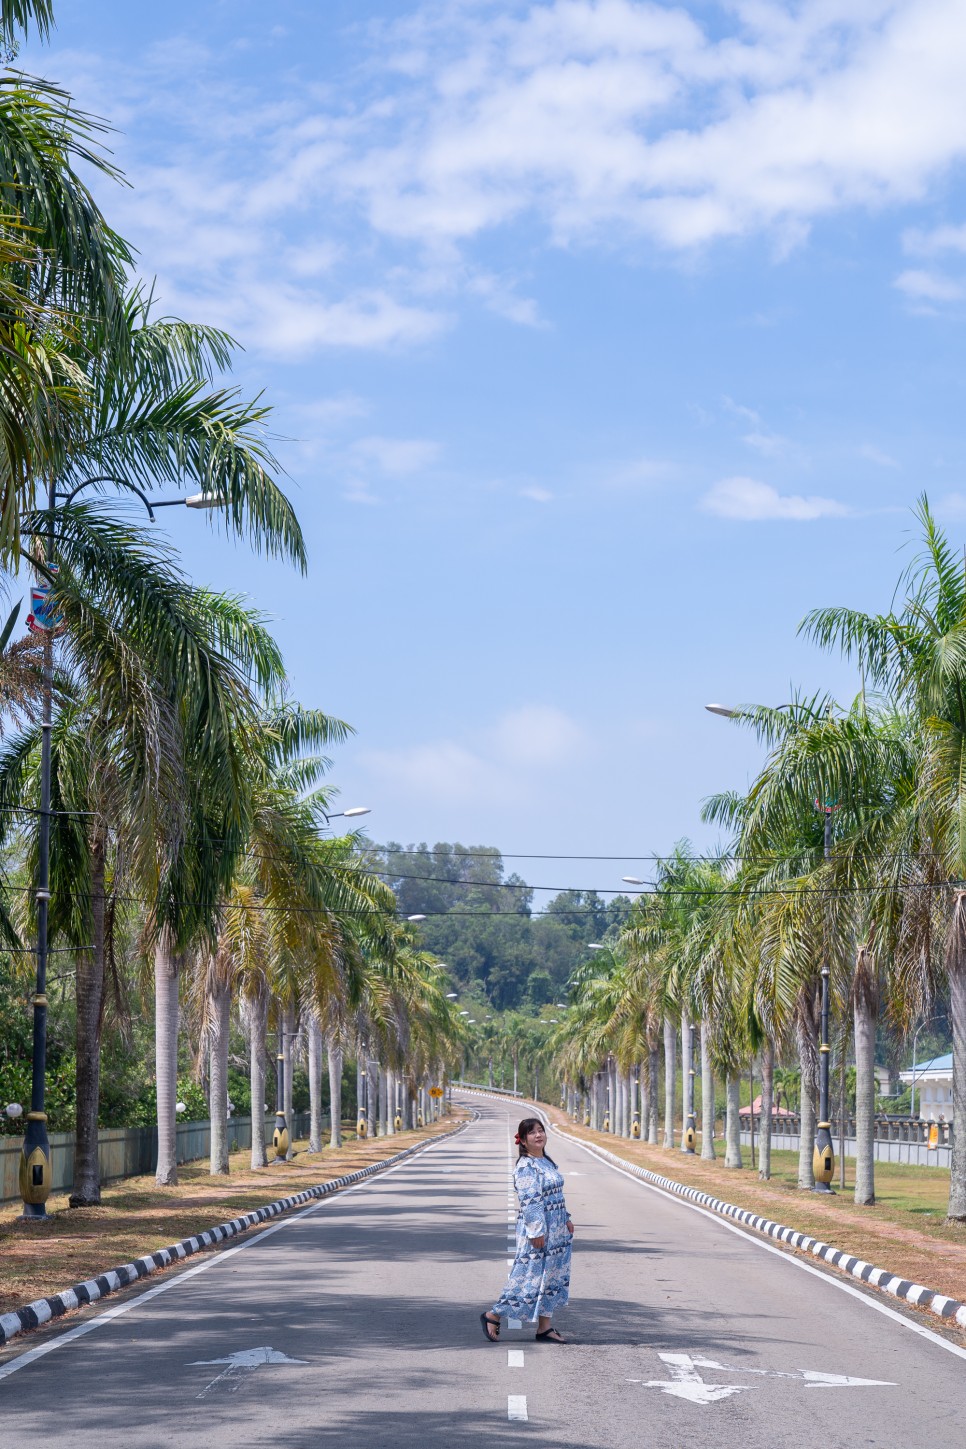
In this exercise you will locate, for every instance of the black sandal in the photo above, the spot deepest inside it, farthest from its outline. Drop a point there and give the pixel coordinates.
(485, 1319)
(547, 1336)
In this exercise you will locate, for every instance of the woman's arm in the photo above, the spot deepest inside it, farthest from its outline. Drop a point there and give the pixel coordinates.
(529, 1186)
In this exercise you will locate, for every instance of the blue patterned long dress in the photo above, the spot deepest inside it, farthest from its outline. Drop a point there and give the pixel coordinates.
(539, 1281)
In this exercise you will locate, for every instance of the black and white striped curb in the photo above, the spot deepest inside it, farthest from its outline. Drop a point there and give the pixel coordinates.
(881, 1278)
(44, 1309)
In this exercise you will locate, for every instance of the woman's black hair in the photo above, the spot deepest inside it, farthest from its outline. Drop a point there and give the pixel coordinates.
(523, 1132)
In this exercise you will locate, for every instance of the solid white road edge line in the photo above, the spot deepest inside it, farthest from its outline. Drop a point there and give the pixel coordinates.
(32, 1354)
(778, 1253)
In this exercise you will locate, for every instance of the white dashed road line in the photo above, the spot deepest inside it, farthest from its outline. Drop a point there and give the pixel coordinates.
(516, 1407)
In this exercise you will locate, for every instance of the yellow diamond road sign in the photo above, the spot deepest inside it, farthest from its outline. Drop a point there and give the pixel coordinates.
(435, 1091)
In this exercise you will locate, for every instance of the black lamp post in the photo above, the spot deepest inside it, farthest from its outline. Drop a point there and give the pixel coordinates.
(823, 1156)
(35, 1167)
(691, 1130)
(280, 1137)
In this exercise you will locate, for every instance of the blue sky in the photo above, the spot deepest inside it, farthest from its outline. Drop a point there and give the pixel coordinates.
(605, 340)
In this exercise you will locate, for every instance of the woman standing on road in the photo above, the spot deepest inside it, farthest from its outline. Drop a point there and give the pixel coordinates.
(539, 1281)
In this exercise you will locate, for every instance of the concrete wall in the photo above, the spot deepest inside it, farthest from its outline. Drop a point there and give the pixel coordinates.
(132, 1151)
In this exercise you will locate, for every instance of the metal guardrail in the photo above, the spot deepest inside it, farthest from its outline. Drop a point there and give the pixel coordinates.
(887, 1129)
(132, 1151)
(481, 1087)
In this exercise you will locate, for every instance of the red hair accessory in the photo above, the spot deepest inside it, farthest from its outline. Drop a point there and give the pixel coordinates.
(517, 1139)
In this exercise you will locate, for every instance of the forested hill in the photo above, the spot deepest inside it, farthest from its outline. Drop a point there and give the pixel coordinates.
(481, 921)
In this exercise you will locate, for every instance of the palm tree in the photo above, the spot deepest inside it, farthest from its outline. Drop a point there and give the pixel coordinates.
(60, 268)
(915, 656)
(151, 415)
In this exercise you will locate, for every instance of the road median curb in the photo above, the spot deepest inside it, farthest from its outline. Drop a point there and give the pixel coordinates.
(43, 1310)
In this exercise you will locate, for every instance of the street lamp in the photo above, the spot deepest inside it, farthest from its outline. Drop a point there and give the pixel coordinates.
(596, 946)
(690, 1132)
(823, 1155)
(633, 880)
(452, 996)
(415, 918)
(280, 1137)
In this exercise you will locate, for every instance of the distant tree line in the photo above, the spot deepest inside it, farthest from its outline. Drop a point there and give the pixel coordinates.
(481, 921)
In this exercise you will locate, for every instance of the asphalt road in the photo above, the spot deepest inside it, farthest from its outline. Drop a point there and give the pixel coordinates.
(686, 1333)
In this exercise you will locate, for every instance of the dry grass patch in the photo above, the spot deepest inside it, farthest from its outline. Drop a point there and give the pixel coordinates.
(137, 1217)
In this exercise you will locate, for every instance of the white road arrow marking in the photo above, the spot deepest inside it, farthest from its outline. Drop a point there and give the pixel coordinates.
(240, 1366)
(816, 1380)
(686, 1383)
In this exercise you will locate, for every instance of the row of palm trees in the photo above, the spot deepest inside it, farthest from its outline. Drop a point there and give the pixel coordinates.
(187, 793)
(735, 945)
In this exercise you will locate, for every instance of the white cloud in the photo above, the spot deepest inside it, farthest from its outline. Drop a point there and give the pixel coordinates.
(537, 495)
(760, 438)
(498, 766)
(876, 455)
(952, 506)
(752, 502)
(932, 242)
(923, 286)
(604, 114)
(396, 457)
(536, 736)
(308, 216)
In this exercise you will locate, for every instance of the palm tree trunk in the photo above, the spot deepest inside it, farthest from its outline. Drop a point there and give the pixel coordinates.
(87, 1036)
(733, 1122)
(767, 1103)
(625, 1104)
(653, 1069)
(315, 1085)
(383, 1102)
(865, 1007)
(670, 1078)
(516, 1071)
(956, 972)
(334, 1053)
(166, 968)
(220, 1005)
(258, 1030)
(707, 1096)
(390, 1103)
(644, 1077)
